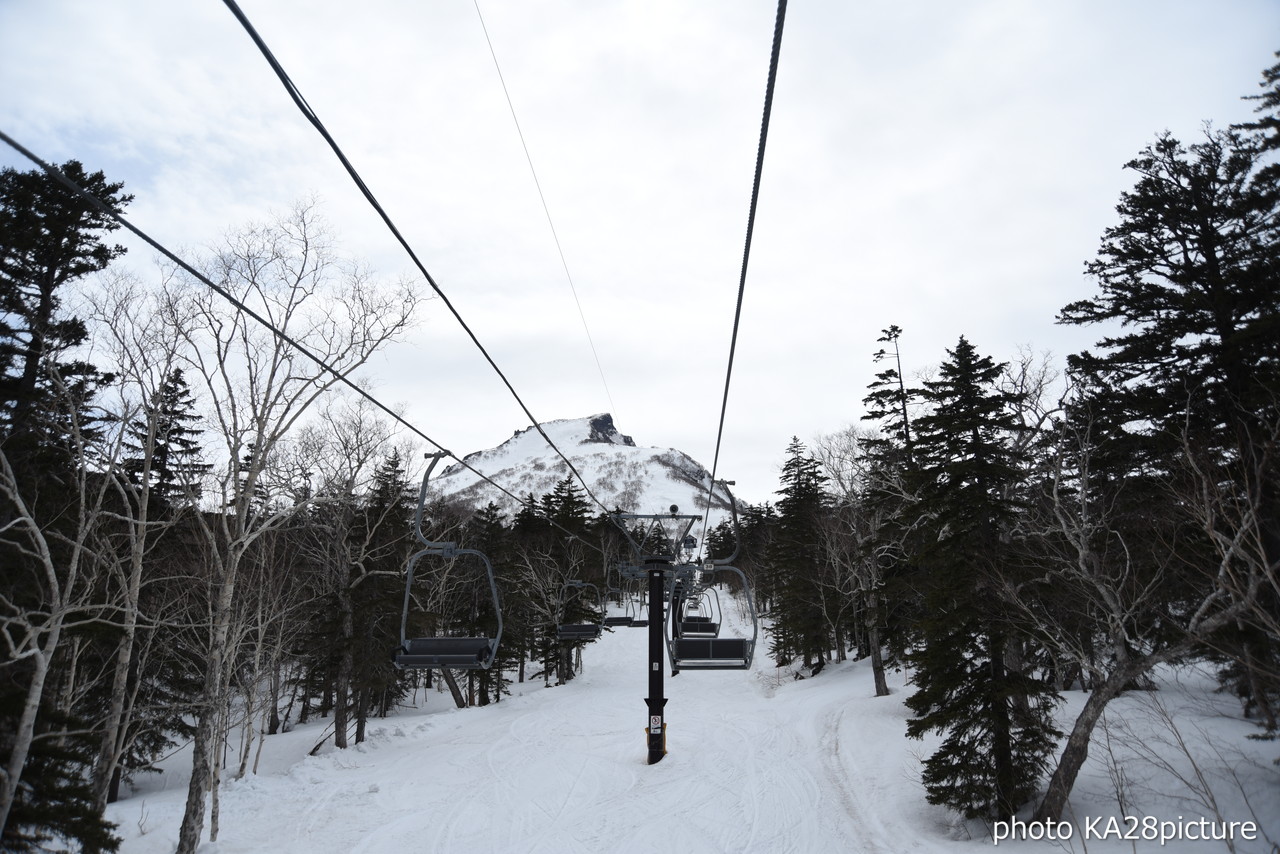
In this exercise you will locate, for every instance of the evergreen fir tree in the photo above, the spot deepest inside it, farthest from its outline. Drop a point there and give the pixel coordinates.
(995, 721)
(569, 513)
(384, 527)
(796, 560)
(757, 524)
(566, 506)
(1267, 126)
(894, 600)
(49, 237)
(55, 800)
(888, 402)
(175, 464)
(721, 540)
(530, 526)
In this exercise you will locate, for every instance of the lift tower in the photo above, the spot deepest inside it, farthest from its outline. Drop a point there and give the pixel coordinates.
(656, 544)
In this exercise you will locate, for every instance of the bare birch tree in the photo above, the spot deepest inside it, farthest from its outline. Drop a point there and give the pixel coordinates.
(257, 388)
(144, 350)
(62, 560)
(345, 444)
(1121, 596)
(865, 533)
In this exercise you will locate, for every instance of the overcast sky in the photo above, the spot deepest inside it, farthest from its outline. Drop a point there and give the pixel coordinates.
(945, 166)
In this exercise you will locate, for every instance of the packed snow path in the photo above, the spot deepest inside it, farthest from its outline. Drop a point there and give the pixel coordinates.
(749, 768)
(757, 762)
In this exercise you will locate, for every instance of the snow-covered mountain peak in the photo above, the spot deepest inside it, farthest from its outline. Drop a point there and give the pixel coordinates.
(620, 473)
(576, 431)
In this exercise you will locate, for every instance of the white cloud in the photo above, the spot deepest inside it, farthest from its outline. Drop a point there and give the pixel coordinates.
(946, 167)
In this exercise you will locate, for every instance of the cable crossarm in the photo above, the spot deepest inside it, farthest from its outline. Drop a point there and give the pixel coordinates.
(751, 220)
(658, 543)
(314, 119)
(341, 377)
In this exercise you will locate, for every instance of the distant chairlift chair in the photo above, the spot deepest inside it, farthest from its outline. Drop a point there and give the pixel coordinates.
(688, 650)
(701, 623)
(578, 631)
(639, 622)
(619, 619)
(463, 653)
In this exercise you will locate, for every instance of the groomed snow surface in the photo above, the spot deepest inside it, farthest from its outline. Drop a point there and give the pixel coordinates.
(757, 761)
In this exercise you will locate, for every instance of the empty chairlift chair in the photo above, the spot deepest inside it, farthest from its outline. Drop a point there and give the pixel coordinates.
(578, 631)
(639, 622)
(716, 653)
(463, 653)
(703, 622)
(621, 594)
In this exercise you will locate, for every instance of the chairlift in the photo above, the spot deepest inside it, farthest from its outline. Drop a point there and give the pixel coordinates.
(702, 649)
(635, 575)
(462, 653)
(579, 631)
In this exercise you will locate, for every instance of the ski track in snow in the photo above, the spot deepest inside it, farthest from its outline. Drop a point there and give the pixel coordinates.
(757, 763)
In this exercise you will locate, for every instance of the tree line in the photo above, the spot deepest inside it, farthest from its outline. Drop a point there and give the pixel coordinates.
(1006, 531)
(203, 538)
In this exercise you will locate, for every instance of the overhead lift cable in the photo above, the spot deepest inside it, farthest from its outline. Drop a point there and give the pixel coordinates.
(546, 210)
(58, 175)
(311, 116)
(746, 251)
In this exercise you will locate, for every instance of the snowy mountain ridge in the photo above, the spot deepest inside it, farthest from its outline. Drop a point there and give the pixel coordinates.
(622, 474)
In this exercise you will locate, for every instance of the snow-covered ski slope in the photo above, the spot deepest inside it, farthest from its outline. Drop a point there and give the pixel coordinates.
(757, 762)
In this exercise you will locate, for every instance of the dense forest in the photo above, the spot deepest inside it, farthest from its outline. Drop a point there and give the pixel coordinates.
(204, 536)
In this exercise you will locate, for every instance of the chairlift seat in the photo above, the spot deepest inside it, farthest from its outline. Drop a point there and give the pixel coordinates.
(617, 621)
(578, 631)
(699, 629)
(639, 624)
(459, 653)
(712, 653)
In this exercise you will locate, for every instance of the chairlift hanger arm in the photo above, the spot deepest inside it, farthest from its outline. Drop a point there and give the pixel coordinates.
(576, 584)
(434, 548)
(737, 530)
